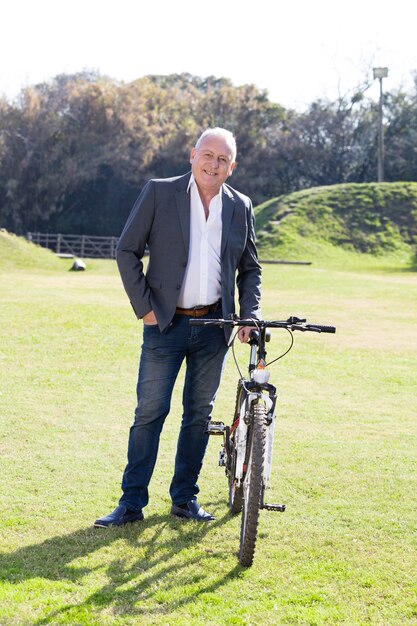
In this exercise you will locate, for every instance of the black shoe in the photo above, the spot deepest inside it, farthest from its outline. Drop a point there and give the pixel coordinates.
(120, 516)
(191, 510)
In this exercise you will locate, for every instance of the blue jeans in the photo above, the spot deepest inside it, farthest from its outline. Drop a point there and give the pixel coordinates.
(204, 350)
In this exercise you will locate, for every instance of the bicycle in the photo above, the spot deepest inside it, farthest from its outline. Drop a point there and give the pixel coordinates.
(246, 451)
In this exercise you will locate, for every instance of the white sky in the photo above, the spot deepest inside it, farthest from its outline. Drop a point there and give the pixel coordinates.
(298, 50)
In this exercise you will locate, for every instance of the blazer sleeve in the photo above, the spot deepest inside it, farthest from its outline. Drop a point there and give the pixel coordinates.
(249, 273)
(131, 248)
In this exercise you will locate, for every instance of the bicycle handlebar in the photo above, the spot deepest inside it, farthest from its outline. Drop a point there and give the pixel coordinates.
(292, 323)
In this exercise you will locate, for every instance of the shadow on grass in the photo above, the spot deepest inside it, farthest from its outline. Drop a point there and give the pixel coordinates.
(164, 567)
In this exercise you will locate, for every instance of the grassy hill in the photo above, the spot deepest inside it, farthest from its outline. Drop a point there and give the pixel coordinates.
(18, 253)
(378, 220)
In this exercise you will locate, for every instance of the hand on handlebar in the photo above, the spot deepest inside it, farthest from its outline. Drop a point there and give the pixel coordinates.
(244, 334)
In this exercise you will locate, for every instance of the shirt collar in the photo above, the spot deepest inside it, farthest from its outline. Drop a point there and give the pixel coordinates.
(190, 182)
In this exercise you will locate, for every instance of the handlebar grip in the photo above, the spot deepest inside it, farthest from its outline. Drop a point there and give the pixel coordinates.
(324, 329)
(194, 321)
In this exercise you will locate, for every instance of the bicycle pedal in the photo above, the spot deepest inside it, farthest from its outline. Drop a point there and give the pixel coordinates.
(215, 428)
(280, 508)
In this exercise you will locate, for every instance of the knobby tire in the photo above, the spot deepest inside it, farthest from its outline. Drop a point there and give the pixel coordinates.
(253, 484)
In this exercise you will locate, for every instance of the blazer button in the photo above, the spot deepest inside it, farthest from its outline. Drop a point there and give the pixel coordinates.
(184, 264)
(178, 286)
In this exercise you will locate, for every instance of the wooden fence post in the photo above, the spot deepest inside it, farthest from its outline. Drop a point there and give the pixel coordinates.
(113, 247)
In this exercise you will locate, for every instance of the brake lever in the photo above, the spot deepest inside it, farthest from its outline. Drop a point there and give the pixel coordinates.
(295, 320)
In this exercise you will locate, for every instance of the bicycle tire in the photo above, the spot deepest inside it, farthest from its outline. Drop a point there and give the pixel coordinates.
(253, 484)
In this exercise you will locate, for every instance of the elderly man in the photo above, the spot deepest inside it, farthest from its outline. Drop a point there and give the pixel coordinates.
(200, 235)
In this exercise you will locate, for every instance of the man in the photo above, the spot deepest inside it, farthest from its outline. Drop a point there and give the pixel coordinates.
(199, 232)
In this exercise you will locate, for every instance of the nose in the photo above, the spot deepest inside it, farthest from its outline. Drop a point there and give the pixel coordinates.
(214, 161)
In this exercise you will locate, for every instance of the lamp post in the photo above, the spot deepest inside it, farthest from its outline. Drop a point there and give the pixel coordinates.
(380, 73)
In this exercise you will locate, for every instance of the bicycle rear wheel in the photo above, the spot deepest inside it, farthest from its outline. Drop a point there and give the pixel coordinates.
(253, 483)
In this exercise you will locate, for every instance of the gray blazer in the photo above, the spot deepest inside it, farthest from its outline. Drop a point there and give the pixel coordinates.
(160, 219)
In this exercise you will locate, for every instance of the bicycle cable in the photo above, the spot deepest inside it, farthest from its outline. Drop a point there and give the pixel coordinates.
(234, 354)
(269, 362)
(233, 346)
(284, 353)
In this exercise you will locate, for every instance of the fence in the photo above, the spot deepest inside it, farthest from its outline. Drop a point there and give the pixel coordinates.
(91, 247)
(84, 246)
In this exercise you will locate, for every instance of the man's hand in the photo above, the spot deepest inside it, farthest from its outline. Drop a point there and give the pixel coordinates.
(244, 334)
(149, 319)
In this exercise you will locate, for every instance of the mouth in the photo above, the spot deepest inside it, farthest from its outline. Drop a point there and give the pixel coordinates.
(210, 173)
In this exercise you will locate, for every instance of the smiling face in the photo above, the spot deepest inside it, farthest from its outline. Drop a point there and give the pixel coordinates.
(211, 163)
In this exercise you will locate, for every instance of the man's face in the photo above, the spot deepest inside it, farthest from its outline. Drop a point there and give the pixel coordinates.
(211, 163)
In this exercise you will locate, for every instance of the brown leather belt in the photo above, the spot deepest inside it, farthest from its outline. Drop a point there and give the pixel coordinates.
(200, 311)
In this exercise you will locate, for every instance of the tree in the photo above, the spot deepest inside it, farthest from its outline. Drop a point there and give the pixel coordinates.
(401, 136)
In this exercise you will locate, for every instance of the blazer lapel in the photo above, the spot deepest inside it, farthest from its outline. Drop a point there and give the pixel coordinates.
(182, 198)
(228, 207)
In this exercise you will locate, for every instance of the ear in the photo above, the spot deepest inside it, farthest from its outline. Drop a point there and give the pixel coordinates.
(232, 167)
(192, 155)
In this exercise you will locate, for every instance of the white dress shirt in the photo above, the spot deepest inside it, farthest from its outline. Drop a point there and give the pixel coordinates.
(202, 280)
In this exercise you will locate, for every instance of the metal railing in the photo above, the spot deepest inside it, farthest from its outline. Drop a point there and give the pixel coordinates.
(84, 246)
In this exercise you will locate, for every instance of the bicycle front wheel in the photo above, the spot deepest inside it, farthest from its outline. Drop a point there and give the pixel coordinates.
(253, 483)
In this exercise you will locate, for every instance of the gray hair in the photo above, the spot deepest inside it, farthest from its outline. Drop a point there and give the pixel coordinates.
(224, 134)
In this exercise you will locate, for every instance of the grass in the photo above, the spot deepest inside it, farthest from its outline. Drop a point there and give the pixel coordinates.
(345, 461)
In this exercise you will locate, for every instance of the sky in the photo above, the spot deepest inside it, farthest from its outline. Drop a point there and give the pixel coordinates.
(298, 50)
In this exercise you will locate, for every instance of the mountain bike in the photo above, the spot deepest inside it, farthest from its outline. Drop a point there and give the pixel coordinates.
(246, 451)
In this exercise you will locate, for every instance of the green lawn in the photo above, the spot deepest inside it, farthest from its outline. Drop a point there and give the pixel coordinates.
(344, 552)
